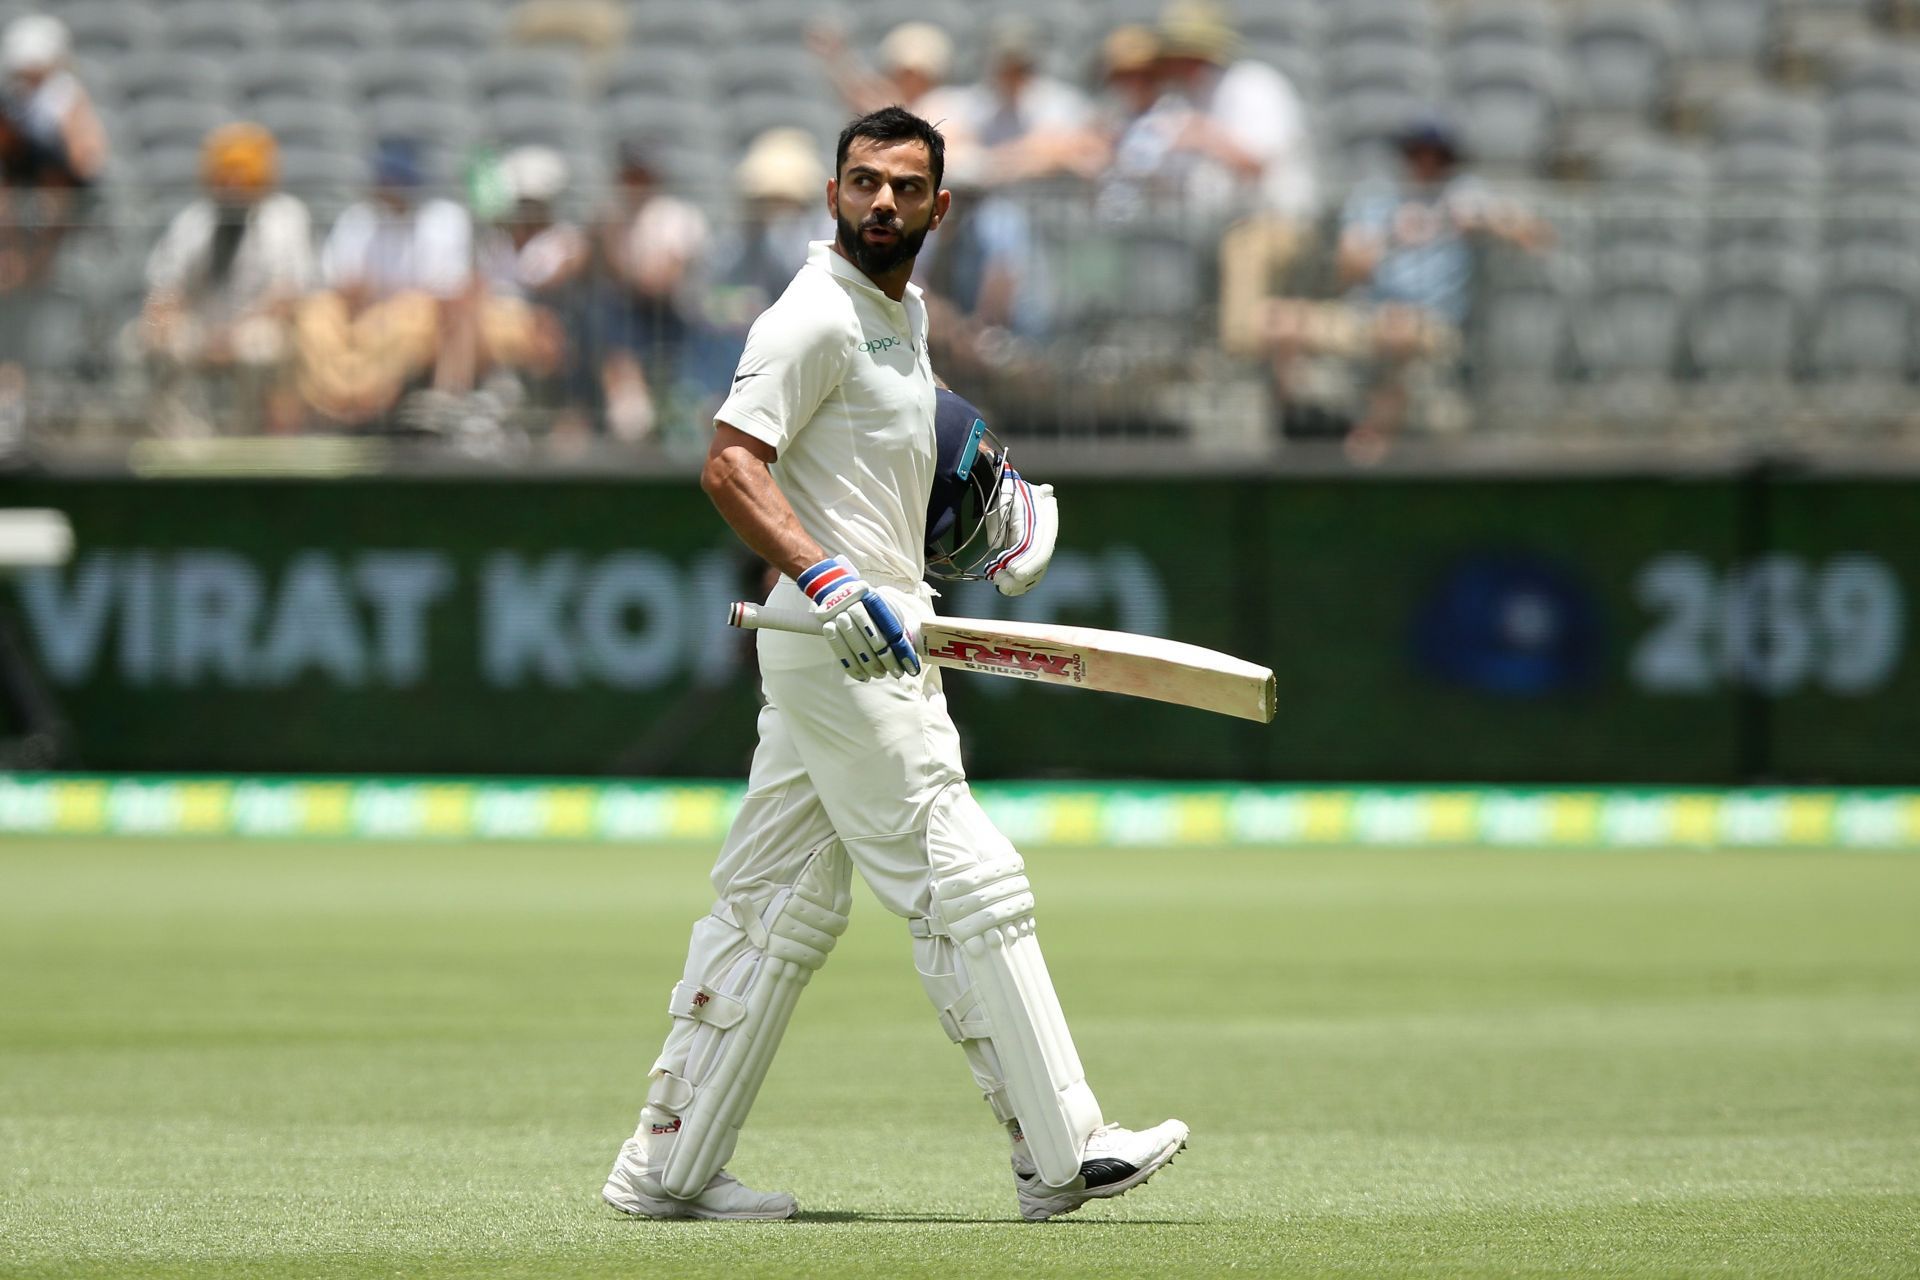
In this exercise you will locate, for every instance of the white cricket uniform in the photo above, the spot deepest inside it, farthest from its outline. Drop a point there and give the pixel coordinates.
(835, 377)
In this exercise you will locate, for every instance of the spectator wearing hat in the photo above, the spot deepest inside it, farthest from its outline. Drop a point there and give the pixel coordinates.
(1406, 258)
(915, 60)
(222, 283)
(1237, 133)
(655, 246)
(397, 272)
(531, 265)
(50, 106)
(782, 180)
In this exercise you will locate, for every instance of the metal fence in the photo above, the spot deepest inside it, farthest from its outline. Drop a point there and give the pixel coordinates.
(1753, 317)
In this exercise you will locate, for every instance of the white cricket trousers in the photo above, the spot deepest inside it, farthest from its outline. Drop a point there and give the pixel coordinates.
(853, 775)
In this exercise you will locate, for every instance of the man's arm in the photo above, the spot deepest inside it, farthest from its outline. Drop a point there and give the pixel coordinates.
(742, 489)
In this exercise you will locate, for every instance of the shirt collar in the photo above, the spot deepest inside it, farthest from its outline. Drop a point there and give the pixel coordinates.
(820, 254)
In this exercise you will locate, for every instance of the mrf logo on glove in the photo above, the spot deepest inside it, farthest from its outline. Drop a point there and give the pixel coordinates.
(831, 583)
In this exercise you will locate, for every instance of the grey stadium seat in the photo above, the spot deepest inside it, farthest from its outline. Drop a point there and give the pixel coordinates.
(1774, 221)
(1655, 218)
(1750, 323)
(1728, 30)
(180, 123)
(218, 28)
(326, 125)
(1873, 219)
(1622, 56)
(447, 126)
(539, 75)
(1877, 70)
(278, 76)
(1367, 68)
(410, 76)
(1895, 121)
(1868, 316)
(661, 120)
(655, 72)
(1634, 319)
(1765, 164)
(1506, 24)
(1757, 115)
(458, 28)
(1507, 103)
(753, 114)
(1401, 22)
(561, 125)
(1298, 24)
(1875, 165)
(761, 71)
(169, 171)
(1646, 162)
(339, 28)
(109, 30)
(162, 76)
(1523, 328)
(674, 24)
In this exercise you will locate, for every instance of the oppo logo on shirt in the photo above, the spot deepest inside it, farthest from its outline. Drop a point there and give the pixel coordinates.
(872, 345)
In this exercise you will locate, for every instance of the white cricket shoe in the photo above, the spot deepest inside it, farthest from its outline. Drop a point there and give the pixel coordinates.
(630, 1190)
(1115, 1162)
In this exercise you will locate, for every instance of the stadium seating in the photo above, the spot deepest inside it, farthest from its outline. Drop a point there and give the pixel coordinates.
(1734, 181)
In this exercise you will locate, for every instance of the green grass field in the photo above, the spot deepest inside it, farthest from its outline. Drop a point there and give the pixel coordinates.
(328, 1060)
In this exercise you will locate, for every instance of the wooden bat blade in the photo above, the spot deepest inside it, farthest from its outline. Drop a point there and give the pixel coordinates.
(1079, 657)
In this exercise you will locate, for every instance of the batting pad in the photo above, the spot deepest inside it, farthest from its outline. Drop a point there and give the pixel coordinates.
(740, 1015)
(988, 913)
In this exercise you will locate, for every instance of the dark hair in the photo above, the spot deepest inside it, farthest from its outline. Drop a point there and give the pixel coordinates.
(894, 124)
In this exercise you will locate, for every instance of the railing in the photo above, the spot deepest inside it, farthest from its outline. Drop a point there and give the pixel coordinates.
(1753, 317)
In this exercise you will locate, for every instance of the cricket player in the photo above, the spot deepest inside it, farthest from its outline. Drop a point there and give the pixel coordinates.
(823, 460)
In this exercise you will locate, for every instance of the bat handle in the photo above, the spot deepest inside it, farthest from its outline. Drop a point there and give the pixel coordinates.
(758, 617)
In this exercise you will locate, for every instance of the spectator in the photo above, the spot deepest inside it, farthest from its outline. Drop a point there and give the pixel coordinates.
(915, 60)
(985, 279)
(1005, 125)
(594, 29)
(532, 319)
(783, 181)
(654, 245)
(397, 306)
(222, 284)
(53, 107)
(1238, 132)
(1406, 256)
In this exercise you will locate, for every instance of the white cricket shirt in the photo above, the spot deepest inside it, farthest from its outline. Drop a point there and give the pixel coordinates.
(836, 378)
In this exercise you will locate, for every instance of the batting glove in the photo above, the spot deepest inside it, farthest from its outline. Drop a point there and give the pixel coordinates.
(1028, 522)
(860, 626)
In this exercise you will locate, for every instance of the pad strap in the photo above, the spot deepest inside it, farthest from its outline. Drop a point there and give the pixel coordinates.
(702, 1003)
(669, 1093)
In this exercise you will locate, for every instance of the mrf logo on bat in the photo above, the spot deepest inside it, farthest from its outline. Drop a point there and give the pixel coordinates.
(1030, 664)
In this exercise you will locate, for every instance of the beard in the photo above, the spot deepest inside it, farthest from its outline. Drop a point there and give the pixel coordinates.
(878, 260)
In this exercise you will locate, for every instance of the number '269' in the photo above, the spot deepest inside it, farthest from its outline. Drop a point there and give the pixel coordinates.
(1776, 623)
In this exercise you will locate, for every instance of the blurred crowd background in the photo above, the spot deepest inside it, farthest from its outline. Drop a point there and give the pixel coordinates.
(518, 228)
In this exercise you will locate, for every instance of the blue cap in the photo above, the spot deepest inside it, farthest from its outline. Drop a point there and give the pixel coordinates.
(396, 163)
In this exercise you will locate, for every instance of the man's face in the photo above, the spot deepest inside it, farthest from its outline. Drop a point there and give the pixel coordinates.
(1426, 163)
(884, 203)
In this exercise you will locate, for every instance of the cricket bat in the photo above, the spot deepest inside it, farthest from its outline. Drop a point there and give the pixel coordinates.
(1076, 657)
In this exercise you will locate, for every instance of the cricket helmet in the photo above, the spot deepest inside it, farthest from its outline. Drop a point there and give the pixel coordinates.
(969, 460)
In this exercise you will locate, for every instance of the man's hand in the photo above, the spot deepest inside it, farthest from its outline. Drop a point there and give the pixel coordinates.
(862, 628)
(1027, 520)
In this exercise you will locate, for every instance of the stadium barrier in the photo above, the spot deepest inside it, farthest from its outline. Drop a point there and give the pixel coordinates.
(1711, 629)
(1199, 816)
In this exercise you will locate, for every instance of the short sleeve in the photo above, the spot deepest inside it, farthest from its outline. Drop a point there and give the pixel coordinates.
(792, 363)
(343, 258)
